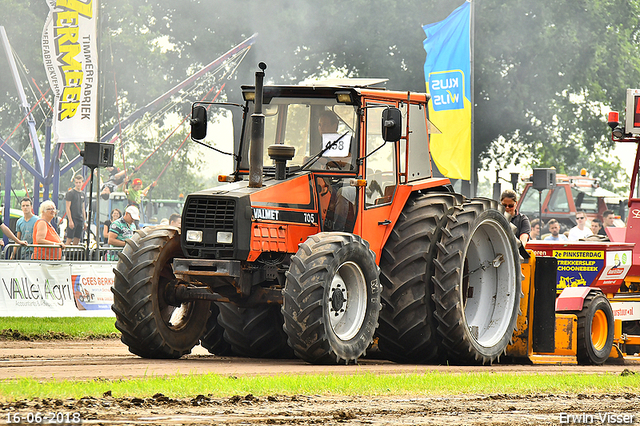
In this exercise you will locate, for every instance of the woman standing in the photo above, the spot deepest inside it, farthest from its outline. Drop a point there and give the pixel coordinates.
(45, 234)
(115, 215)
(520, 221)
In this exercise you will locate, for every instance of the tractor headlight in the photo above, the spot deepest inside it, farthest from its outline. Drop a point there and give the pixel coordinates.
(223, 237)
(194, 236)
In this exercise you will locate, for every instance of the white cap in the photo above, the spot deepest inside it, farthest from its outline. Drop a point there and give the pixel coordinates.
(134, 212)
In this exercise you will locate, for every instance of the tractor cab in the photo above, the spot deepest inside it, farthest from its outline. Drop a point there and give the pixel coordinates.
(322, 130)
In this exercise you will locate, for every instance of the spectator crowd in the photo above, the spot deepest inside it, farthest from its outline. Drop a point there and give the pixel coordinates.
(34, 232)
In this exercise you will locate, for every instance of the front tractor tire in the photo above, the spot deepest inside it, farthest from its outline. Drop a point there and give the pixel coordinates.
(477, 286)
(595, 329)
(331, 298)
(151, 327)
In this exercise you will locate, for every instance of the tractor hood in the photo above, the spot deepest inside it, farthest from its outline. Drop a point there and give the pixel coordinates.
(217, 222)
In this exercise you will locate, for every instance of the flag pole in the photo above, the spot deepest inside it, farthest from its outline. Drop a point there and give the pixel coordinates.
(472, 175)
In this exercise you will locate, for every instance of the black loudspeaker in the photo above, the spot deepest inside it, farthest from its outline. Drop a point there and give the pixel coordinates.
(544, 179)
(98, 154)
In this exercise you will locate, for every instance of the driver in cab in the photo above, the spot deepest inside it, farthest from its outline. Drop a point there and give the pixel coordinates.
(337, 199)
(339, 156)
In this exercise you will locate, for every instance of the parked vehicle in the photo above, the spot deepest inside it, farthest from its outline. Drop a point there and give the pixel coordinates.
(571, 194)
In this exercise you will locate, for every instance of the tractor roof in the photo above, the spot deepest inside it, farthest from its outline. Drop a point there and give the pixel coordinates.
(329, 88)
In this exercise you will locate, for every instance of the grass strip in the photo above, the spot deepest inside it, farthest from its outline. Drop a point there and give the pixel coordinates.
(30, 328)
(427, 384)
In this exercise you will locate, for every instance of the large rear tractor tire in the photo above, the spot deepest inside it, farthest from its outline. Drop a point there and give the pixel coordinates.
(254, 332)
(331, 298)
(151, 327)
(595, 329)
(477, 283)
(213, 338)
(408, 330)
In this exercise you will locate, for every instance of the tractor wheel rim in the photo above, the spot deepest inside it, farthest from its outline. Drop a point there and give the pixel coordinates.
(487, 294)
(599, 330)
(347, 301)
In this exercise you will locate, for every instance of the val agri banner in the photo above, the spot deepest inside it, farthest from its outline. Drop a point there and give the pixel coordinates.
(70, 55)
(56, 289)
(447, 72)
(28, 289)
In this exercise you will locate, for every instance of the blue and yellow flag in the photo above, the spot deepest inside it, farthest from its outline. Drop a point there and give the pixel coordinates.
(447, 73)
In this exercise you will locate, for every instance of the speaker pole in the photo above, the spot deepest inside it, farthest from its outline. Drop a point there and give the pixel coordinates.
(95, 155)
(540, 210)
(89, 215)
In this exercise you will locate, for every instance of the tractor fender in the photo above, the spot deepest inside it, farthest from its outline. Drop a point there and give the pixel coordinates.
(404, 191)
(572, 298)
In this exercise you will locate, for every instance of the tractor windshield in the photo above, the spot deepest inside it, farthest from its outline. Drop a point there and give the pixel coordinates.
(310, 125)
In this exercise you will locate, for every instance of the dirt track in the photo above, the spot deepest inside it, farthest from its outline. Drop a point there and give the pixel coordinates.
(109, 359)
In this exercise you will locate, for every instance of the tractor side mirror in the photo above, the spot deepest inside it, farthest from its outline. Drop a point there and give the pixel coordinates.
(391, 124)
(198, 122)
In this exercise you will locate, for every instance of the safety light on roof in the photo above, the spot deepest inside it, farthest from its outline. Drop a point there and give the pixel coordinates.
(249, 95)
(614, 123)
(225, 178)
(344, 97)
(583, 172)
(358, 182)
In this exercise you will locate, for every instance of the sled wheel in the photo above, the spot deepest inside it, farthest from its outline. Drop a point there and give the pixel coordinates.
(254, 332)
(331, 298)
(595, 329)
(477, 283)
(151, 327)
(408, 330)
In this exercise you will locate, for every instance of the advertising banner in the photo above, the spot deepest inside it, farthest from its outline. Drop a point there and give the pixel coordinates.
(30, 290)
(70, 54)
(447, 72)
(52, 289)
(92, 286)
(582, 264)
(578, 268)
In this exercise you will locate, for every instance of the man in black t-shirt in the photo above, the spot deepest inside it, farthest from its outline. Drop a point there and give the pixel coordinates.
(607, 221)
(76, 214)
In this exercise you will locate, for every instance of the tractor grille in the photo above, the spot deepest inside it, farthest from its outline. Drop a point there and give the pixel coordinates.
(209, 215)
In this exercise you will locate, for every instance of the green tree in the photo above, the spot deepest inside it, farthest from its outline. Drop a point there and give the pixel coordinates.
(543, 71)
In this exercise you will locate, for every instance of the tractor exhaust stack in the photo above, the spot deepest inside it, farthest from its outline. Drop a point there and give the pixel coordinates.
(257, 133)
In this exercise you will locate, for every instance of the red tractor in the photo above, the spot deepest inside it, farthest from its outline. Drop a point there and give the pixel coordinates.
(569, 195)
(331, 231)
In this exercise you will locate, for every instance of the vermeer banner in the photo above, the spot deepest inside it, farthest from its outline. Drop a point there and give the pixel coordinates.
(70, 54)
